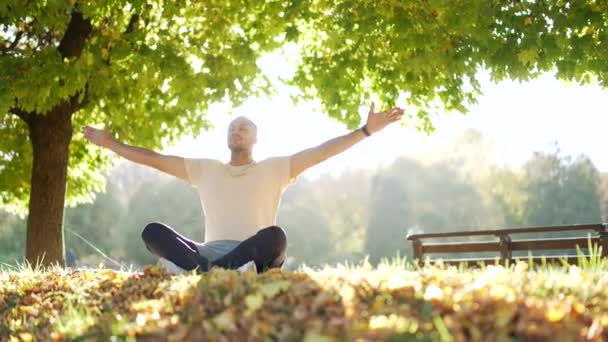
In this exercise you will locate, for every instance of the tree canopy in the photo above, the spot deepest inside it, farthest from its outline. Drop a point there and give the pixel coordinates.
(134, 73)
(429, 52)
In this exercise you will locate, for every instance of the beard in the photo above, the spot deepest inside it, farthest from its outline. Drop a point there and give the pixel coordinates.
(236, 148)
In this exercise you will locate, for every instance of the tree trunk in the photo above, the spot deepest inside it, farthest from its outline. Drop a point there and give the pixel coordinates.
(50, 135)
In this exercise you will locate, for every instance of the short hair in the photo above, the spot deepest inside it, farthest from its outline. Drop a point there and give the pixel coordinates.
(244, 118)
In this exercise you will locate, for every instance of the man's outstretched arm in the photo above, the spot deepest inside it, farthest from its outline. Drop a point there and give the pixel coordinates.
(313, 156)
(172, 165)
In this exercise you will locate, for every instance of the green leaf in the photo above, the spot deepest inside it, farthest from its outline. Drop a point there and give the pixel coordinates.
(253, 302)
(528, 56)
(272, 289)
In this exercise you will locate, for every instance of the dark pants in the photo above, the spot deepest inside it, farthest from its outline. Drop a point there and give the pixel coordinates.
(266, 248)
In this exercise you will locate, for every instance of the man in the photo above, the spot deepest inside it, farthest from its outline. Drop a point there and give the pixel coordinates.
(240, 198)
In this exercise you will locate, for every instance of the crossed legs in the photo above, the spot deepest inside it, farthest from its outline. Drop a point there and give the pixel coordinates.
(266, 248)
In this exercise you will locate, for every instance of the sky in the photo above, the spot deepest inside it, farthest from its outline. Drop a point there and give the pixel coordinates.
(519, 118)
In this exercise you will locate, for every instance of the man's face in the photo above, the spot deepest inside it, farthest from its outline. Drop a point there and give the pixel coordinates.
(242, 134)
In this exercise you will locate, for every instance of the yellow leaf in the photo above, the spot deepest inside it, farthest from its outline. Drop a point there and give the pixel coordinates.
(272, 289)
(225, 321)
(554, 315)
(26, 337)
(528, 21)
(313, 336)
(57, 336)
(504, 316)
(347, 293)
(579, 308)
(521, 267)
(253, 302)
(29, 310)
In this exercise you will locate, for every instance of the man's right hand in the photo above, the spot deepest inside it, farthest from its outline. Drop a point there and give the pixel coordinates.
(99, 137)
(173, 165)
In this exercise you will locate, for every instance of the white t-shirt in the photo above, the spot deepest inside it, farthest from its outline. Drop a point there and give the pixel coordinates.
(238, 201)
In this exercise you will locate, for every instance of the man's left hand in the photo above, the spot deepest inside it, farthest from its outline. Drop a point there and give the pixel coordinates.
(376, 121)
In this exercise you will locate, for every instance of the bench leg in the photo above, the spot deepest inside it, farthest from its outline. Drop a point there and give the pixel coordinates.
(505, 248)
(418, 251)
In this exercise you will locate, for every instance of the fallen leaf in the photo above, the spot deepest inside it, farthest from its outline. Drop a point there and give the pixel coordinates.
(272, 289)
(225, 321)
(253, 302)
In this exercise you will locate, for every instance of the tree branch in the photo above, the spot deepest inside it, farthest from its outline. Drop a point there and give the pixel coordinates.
(132, 22)
(46, 39)
(18, 36)
(16, 41)
(130, 29)
(75, 104)
(21, 114)
(71, 45)
(75, 36)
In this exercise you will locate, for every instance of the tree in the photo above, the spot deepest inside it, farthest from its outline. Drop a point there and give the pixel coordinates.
(390, 216)
(560, 190)
(97, 222)
(410, 197)
(309, 235)
(12, 243)
(326, 219)
(174, 203)
(604, 195)
(507, 195)
(128, 64)
(150, 69)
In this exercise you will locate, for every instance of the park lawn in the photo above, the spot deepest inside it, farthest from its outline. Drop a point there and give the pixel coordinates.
(392, 302)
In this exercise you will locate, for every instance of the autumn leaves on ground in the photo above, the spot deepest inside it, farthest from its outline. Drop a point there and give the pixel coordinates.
(390, 302)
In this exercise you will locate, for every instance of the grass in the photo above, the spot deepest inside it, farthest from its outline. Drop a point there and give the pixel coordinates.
(397, 300)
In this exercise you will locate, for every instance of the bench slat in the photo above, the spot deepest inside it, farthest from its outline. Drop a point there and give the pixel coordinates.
(575, 227)
(516, 245)
(572, 260)
(456, 247)
(564, 243)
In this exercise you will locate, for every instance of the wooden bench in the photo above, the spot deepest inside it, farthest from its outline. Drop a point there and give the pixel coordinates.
(505, 242)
